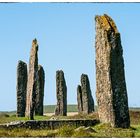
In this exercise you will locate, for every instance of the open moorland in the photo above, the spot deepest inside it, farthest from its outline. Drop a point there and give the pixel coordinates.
(99, 130)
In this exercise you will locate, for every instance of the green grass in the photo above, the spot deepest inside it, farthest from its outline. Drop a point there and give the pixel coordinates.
(5, 118)
(100, 130)
(11, 118)
(106, 131)
(22, 132)
(66, 131)
(137, 131)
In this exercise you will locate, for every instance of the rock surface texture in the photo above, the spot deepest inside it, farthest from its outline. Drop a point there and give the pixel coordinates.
(21, 88)
(48, 124)
(84, 96)
(40, 91)
(111, 89)
(32, 81)
(61, 94)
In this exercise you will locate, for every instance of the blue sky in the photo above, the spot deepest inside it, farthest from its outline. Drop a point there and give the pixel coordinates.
(66, 38)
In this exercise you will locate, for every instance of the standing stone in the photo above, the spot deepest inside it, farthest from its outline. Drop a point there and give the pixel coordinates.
(111, 89)
(84, 96)
(21, 88)
(40, 91)
(79, 99)
(32, 81)
(61, 94)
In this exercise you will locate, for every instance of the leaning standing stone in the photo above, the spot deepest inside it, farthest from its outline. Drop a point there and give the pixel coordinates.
(111, 89)
(40, 91)
(21, 88)
(32, 81)
(61, 94)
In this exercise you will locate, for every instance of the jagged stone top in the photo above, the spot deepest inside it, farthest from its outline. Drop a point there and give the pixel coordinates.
(106, 23)
(34, 42)
(84, 79)
(84, 75)
(40, 67)
(21, 62)
(60, 71)
(34, 48)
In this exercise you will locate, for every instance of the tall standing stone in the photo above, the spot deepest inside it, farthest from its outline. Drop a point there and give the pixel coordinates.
(84, 96)
(111, 89)
(21, 88)
(61, 94)
(40, 91)
(32, 81)
(79, 99)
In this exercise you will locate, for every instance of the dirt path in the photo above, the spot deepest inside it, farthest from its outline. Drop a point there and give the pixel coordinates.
(68, 114)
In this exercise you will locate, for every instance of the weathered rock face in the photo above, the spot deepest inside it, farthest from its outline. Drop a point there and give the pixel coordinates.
(21, 88)
(111, 89)
(61, 93)
(84, 96)
(48, 124)
(40, 91)
(32, 81)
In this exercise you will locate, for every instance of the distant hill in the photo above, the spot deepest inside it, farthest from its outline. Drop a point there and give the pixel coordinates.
(47, 109)
(70, 108)
(73, 108)
(51, 108)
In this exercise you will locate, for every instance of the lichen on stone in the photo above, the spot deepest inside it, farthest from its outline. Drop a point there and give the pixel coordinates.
(111, 89)
(106, 23)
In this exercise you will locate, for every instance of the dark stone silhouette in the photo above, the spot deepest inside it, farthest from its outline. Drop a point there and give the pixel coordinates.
(61, 93)
(84, 96)
(79, 99)
(21, 88)
(111, 89)
(32, 81)
(40, 91)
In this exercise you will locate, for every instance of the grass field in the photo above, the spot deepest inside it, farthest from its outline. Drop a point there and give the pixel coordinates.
(99, 130)
(51, 108)
(70, 108)
(48, 109)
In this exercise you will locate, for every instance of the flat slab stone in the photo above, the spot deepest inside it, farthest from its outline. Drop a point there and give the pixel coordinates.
(50, 124)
